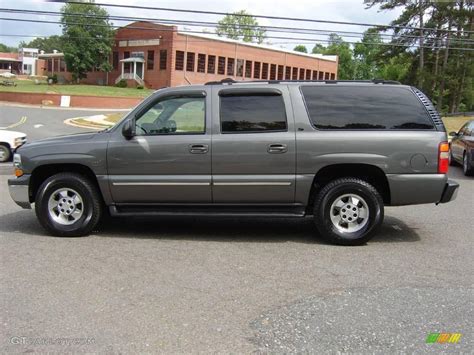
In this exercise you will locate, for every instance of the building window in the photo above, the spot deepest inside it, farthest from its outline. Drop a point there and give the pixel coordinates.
(258, 113)
(150, 60)
(211, 64)
(315, 75)
(50, 65)
(190, 57)
(301, 77)
(248, 68)
(115, 60)
(179, 65)
(294, 75)
(280, 72)
(230, 66)
(126, 66)
(321, 75)
(126, 54)
(272, 71)
(308, 74)
(62, 65)
(265, 71)
(201, 63)
(288, 73)
(256, 70)
(240, 67)
(163, 59)
(221, 66)
(333, 76)
(326, 76)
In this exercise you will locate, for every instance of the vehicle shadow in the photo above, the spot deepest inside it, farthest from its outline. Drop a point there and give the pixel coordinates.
(255, 230)
(456, 173)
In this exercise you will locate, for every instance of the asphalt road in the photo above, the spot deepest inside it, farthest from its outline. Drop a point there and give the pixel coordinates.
(237, 285)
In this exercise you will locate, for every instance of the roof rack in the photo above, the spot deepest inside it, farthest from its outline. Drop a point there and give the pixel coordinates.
(230, 81)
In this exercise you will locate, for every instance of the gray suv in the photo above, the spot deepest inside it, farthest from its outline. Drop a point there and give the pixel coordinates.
(339, 151)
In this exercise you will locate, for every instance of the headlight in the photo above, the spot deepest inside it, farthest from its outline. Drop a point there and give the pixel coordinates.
(19, 141)
(17, 160)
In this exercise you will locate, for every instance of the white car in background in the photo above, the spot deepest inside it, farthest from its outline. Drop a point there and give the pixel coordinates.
(9, 141)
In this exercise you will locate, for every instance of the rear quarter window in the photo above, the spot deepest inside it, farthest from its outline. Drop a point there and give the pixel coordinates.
(365, 107)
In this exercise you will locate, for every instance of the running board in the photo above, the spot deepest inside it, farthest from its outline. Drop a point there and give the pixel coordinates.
(205, 210)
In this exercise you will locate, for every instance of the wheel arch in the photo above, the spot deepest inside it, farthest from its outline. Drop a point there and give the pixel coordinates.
(42, 172)
(367, 172)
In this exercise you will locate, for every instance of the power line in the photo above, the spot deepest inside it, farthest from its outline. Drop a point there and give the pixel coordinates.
(201, 33)
(428, 29)
(215, 24)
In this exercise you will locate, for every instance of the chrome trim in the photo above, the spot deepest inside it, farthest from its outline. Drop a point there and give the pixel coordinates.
(20, 194)
(161, 183)
(260, 183)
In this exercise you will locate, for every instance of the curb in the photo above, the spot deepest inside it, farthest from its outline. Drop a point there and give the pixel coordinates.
(70, 122)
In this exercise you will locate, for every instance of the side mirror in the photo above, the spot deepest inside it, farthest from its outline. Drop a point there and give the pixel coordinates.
(453, 134)
(128, 129)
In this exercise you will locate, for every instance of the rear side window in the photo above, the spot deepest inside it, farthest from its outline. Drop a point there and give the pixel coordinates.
(365, 107)
(246, 113)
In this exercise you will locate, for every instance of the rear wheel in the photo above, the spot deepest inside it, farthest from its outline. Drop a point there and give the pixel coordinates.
(467, 167)
(348, 211)
(4, 153)
(68, 205)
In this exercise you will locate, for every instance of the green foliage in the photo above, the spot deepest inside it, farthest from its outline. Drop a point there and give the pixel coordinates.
(121, 84)
(367, 56)
(87, 39)
(47, 44)
(140, 87)
(236, 26)
(301, 48)
(337, 46)
(53, 79)
(7, 49)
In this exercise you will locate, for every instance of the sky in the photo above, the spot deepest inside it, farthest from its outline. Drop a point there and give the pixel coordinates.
(12, 32)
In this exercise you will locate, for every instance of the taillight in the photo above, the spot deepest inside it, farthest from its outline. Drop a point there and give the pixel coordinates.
(443, 158)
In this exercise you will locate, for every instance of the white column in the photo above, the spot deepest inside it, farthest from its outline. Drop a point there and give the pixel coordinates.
(123, 68)
(134, 69)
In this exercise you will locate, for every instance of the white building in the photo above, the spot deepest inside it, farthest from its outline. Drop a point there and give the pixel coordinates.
(28, 56)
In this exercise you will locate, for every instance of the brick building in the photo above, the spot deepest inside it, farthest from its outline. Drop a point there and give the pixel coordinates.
(157, 55)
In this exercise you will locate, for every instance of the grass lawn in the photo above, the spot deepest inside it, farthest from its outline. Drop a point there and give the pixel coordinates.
(74, 89)
(453, 123)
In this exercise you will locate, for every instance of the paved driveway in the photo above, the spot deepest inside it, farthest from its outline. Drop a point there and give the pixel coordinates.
(237, 285)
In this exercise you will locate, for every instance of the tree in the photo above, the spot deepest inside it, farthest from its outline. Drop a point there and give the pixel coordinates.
(241, 25)
(7, 49)
(301, 48)
(47, 44)
(337, 46)
(433, 58)
(367, 56)
(87, 38)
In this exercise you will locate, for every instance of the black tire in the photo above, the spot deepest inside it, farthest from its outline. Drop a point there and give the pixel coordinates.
(91, 206)
(5, 153)
(467, 167)
(332, 192)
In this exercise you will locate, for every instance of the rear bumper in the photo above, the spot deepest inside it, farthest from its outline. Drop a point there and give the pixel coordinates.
(19, 191)
(450, 192)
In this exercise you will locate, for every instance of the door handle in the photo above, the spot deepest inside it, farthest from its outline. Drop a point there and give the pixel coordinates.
(198, 148)
(277, 148)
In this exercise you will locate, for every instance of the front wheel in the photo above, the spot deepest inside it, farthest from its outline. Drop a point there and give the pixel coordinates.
(4, 153)
(68, 205)
(348, 211)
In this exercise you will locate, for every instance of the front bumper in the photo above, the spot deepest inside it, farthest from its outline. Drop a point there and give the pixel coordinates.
(450, 191)
(19, 189)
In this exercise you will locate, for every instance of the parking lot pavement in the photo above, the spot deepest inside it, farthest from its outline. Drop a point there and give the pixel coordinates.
(238, 285)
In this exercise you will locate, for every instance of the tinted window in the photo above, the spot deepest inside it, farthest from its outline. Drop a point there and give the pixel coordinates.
(365, 107)
(173, 115)
(252, 113)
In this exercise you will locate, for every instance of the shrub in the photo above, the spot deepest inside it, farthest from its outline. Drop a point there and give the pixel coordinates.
(121, 84)
(53, 79)
(140, 87)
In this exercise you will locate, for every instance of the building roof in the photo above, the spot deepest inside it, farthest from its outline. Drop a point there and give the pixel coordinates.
(10, 57)
(214, 37)
(51, 55)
